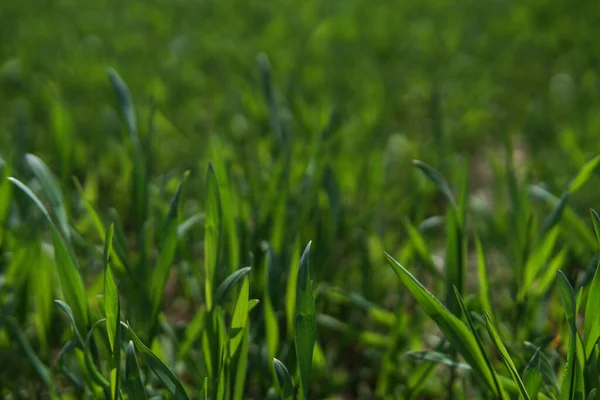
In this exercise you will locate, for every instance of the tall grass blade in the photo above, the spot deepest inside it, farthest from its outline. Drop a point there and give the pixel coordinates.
(133, 385)
(532, 377)
(584, 174)
(212, 234)
(163, 373)
(436, 177)
(68, 273)
(510, 365)
(112, 309)
(453, 328)
(591, 331)
(284, 379)
(305, 322)
(229, 283)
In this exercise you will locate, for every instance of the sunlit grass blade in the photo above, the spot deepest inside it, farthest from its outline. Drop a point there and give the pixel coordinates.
(166, 376)
(284, 379)
(591, 331)
(484, 289)
(305, 322)
(70, 279)
(510, 365)
(239, 319)
(437, 358)
(212, 234)
(572, 381)
(229, 283)
(471, 325)
(423, 251)
(112, 310)
(133, 385)
(584, 174)
(536, 261)
(290, 293)
(457, 333)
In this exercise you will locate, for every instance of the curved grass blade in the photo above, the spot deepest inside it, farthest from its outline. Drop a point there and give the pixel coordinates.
(228, 284)
(271, 323)
(212, 234)
(437, 358)
(418, 242)
(52, 191)
(70, 279)
(584, 174)
(112, 309)
(510, 365)
(532, 377)
(65, 307)
(133, 385)
(163, 373)
(239, 320)
(479, 342)
(305, 322)
(457, 333)
(436, 177)
(591, 331)
(95, 374)
(284, 379)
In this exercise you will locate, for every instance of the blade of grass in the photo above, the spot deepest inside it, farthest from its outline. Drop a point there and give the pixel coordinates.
(510, 365)
(437, 178)
(284, 379)
(70, 279)
(112, 309)
(453, 328)
(163, 373)
(591, 331)
(229, 283)
(305, 322)
(133, 385)
(212, 235)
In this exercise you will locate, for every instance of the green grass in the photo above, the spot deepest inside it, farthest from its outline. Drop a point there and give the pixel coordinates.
(335, 200)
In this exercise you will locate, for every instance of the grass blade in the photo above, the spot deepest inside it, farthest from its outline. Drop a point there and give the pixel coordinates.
(436, 177)
(457, 333)
(212, 234)
(70, 279)
(532, 378)
(112, 310)
(239, 320)
(591, 331)
(163, 373)
(584, 174)
(305, 322)
(484, 289)
(133, 380)
(510, 365)
(228, 284)
(284, 379)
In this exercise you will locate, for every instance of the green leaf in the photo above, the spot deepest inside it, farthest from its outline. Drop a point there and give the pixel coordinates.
(212, 234)
(65, 307)
(271, 323)
(457, 333)
(570, 385)
(438, 179)
(52, 193)
(284, 379)
(484, 290)
(167, 247)
(112, 309)
(290, 293)
(228, 284)
(95, 374)
(536, 261)
(591, 331)
(418, 242)
(133, 385)
(456, 250)
(532, 378)
(305, 322)
(512, 369)
(163, 373)
(239, 319)
(584, 174)
(438, 358)
(471, 325)
(70, 279)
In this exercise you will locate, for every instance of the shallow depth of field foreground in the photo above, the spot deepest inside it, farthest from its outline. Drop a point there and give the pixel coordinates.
(351, 199)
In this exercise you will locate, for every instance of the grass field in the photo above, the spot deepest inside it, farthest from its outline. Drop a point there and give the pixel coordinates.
(299, 200)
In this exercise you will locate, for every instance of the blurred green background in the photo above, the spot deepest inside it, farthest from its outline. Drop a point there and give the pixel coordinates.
(436, 80)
